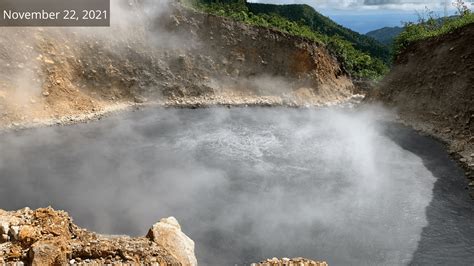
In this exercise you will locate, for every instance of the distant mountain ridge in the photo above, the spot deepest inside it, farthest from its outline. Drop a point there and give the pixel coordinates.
(307, 15)
(360, 56)
(385, 35)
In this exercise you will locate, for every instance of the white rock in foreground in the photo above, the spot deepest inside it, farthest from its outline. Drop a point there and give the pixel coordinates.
(168, 234)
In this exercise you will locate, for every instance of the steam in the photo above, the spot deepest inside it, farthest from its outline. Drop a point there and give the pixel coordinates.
(139, 21)
(20, 68)
(147, 53)
(245, 184)
(27, 55)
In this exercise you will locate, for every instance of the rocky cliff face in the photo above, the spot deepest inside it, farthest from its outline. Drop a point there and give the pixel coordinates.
(174, 56)
(432, 86)
(47, 237)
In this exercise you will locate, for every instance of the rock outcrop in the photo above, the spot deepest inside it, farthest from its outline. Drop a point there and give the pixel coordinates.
(48, 237)
(168, 234)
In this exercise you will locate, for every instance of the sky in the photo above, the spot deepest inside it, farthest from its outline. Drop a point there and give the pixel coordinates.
(366, 15)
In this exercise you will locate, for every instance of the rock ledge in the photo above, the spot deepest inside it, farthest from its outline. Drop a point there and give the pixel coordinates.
(45, 237)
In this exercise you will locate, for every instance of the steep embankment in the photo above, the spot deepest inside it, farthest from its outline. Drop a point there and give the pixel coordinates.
(432, 86)
(174, 57)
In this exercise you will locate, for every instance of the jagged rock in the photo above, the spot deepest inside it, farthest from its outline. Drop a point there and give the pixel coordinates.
(4, 238)
(28, 234)
(13, 232)
(49, 237)
(168, 234)
(4, 227)
(49, 252)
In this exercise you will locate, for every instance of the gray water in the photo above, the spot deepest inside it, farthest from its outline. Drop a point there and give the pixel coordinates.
(249, 184)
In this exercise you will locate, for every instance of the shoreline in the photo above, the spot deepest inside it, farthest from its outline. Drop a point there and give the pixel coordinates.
(463, 156)
(192, 103)
(459, 149)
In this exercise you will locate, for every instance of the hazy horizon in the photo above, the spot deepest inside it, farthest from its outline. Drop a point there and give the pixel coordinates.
(364, 16)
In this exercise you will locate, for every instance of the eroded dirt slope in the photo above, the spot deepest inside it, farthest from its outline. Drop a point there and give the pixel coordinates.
(173, 56)
(432, 86)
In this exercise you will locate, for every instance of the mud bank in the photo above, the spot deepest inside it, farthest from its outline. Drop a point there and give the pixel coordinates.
(431, 86)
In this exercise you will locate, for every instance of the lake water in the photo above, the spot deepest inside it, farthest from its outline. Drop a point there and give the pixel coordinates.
(345, 186)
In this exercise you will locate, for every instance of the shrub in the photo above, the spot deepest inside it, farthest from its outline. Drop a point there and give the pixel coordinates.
(431, 27)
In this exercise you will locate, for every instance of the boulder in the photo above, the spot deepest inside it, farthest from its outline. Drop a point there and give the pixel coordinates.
(168, 234)
(49, 252)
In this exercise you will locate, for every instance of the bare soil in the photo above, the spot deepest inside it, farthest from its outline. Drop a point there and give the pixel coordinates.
(432, 87)
(180, 58)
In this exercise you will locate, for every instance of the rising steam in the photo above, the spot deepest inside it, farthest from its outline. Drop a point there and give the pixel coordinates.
(245, 183)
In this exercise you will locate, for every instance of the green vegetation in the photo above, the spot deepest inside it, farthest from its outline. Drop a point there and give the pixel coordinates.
(385, 35)
(432, 27)
(359, 63)
(306, 15)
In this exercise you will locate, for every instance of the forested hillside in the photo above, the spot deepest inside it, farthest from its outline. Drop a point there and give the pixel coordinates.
(306, 15)
(385, 35)
(360, 56)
